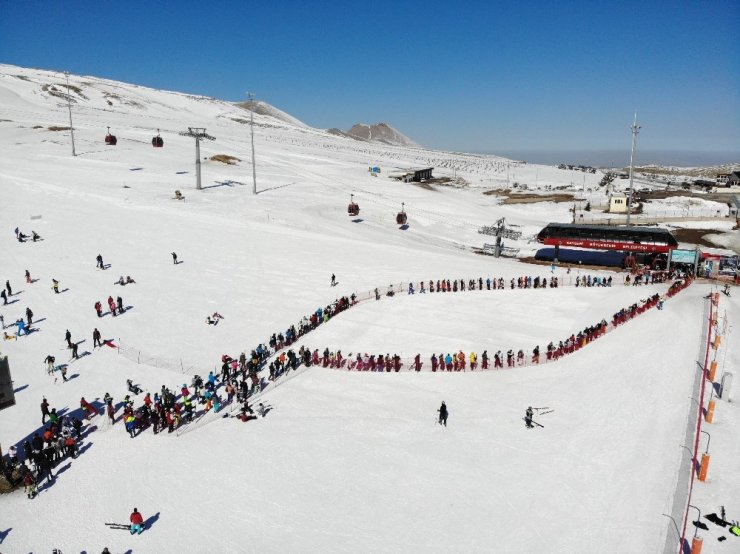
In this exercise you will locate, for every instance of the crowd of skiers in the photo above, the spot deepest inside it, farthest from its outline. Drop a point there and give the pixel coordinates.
(55, 441)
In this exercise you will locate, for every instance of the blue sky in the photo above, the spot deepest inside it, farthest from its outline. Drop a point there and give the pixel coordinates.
(474, 76)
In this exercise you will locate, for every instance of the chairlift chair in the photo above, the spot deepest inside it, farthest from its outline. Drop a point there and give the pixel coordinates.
(157, 141)
(110, 140)
(401, 216)
(353, 209)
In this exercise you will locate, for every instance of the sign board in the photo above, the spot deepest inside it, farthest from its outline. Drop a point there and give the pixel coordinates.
(683, 256)
(728, 265)
(607, 245)
(7, 394)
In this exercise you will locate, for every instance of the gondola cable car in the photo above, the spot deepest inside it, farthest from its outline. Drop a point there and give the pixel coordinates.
(353, 209)
(110, 140)
(401, 216)
(157, 141)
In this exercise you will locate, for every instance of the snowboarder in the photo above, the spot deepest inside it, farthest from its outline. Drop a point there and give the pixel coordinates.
(74, 351)
(49, 360)
(333, 280)
(96, 338)
(137, 522)
(443, 414)
(528, 417)
(99, 260)
(174, 258)
(119, 300)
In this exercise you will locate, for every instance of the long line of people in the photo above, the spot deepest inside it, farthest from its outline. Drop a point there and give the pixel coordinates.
(460, 361)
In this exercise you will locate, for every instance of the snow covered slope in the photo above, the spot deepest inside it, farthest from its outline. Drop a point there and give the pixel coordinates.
(345, 460)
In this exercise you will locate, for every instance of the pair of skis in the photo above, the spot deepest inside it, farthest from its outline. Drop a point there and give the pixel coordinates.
(120, 526)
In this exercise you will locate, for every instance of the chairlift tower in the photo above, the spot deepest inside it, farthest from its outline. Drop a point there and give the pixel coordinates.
(69, 109)
(197, 133)
(635, 129)
(500, 231)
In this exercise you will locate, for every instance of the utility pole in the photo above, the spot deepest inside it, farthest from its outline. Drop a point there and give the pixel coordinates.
(69, 108)
(250, 98)
(197, 133)
(635, 129)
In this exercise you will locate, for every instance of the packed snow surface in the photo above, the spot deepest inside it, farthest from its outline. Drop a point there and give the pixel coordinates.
(345, 461)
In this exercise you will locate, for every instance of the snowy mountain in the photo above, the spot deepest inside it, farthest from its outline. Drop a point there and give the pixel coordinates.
(346, 460)
(383, 133)
(263, 108)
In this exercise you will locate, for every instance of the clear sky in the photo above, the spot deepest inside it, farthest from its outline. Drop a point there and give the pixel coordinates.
(474, 76)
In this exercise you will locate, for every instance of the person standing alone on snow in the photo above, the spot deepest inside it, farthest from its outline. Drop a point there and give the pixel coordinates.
(137, 522)
(99, 260)
(96, 338)
(528, 417)
(174, 258)
(333, 279)
(443, 414)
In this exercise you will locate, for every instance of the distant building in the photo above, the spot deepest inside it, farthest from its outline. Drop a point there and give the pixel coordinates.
(731, 179)
(414, 175)
(618, 204)
(722, 178)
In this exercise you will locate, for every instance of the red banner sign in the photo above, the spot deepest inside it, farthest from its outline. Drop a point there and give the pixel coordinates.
(607, 245)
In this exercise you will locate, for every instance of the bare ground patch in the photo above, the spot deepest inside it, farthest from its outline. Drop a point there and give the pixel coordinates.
(696, 236)
(225, 158)
(529, 198)
(58, 128)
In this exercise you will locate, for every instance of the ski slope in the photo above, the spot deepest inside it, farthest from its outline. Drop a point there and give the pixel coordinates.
(345, 460)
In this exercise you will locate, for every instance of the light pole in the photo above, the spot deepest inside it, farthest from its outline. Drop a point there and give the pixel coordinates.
(635, 129)
(69, 108)
(250, 98)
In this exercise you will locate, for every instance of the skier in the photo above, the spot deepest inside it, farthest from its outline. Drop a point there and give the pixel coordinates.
(99, 308)
(44, 411)
(99, 259)
(68, 338)
(137, 522)
(55, 286)
(49, 360)
(443, 414)
(28, 277)
(7, 287)
(85, 405)
(112, 305)
(174, 258)
(119, 300)
(29, 316)
(96, 338)
(29, 483)
(4, 296)
(528, 417)
(333, 280)
(74, 351)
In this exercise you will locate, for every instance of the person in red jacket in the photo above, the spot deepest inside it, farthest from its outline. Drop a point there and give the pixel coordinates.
(137, 522)
(85, 405)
